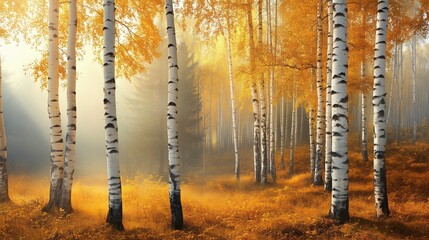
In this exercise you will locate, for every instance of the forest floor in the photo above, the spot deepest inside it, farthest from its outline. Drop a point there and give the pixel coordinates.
(221, 208)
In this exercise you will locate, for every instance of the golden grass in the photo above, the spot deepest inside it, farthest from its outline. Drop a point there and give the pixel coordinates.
(219, 207)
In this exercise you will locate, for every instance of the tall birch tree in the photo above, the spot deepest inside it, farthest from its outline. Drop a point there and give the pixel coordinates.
(174, 162)
(114, 216)
(255, 99)
(379, 109)
(56, 138)
(317, 181)
(340, 167)
(70, 150)
(328, 134)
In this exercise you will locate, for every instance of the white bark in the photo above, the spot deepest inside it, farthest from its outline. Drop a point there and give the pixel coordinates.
(255, 101)
(56, 138)
(233, 110)
(311, 131)
(4, 186)
(264, 160)
(320, 112)
(172, 126)
(114, 216)
(379, 105)
(340, 167)
(328, 135)
(70, 151)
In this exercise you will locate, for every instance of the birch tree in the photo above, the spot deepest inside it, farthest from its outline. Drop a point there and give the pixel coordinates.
(114, 216)
(328, 134)
(56, 139)
(255, 99)
(340, 180)
(174, 162)
(264, 150)
(379, 108)
(317, 181)
(70, 150)
(4, 186)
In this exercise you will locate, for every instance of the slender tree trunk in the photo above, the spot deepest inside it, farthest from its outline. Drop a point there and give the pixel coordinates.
(311, 131)
(56, 138)
(340, 163)
(320, 113)
(292, 140)
(233, 110)
(264, 160)
(4, 186)
(282, 134)
(114, 216)
(379, 105)
(328, 135)
(70, 151)
(255, 101)
(413, 66)
(272, 167)
(174, 161)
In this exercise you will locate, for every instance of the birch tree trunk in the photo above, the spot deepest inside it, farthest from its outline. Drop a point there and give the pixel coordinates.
(311, 131)
(70, 151)
(255, 101)
(364, 131)
(413, 66)
(379, 105)
(174, 161)
(340, 163)
(328, 135)
(56, 138)
(233, 110)
(271, 53)
(292, 140)
(320, 113)
(4, 186)
(114, 216)
(264, 160)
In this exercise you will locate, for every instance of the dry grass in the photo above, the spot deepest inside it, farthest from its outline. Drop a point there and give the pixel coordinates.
(222, 208)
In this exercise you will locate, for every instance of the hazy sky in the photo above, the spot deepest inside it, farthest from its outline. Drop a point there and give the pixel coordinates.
(20, 89)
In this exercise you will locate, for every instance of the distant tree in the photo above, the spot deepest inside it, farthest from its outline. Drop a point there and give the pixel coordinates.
(4, 187)
(174, 161)
(340, 164)
(114, 215)
(379, 109)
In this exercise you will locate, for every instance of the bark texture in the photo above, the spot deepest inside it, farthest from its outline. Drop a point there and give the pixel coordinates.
(340, 163)
(114, 215)
(379, 109)
(174, 160)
